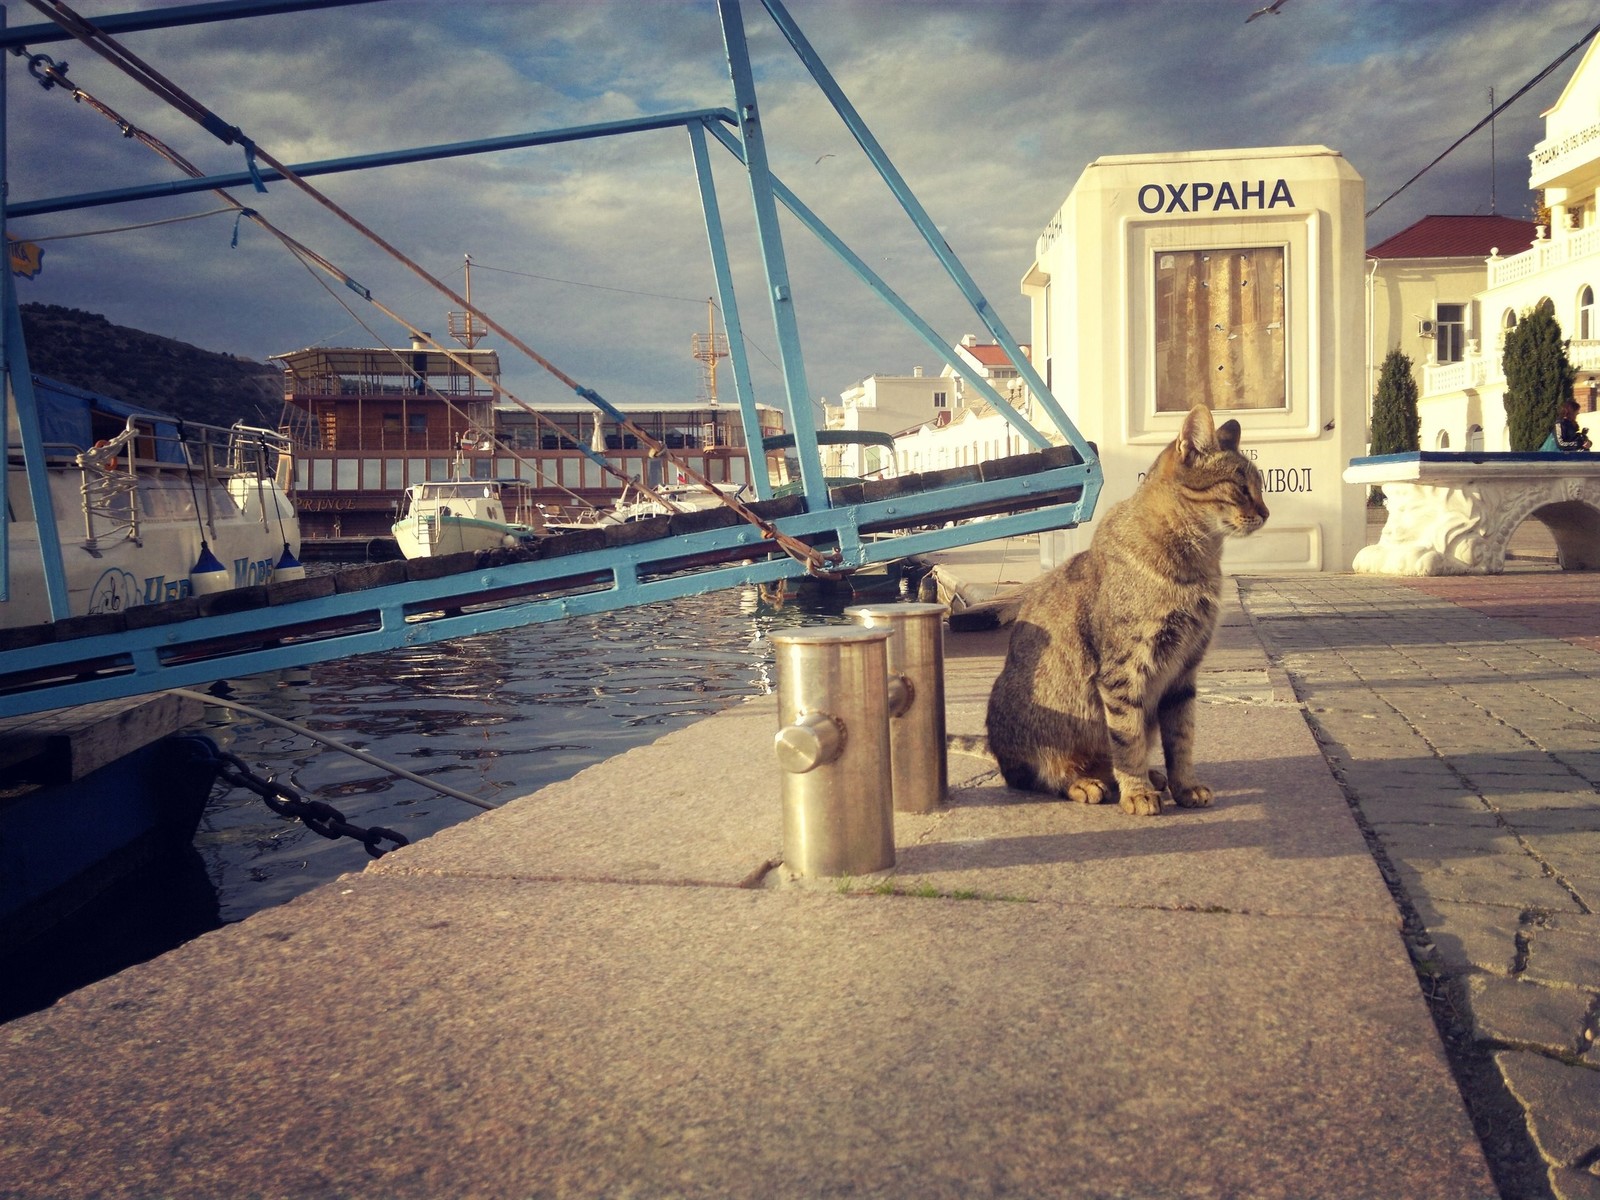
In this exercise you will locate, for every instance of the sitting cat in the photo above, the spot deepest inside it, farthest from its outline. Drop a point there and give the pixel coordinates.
(1105, 647)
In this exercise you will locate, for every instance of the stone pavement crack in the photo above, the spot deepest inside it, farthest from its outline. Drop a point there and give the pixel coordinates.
(1463, 724)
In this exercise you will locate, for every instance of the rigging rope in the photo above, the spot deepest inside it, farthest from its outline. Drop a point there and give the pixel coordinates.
(334, 743)
(816, 562)
(65, 237)
(310, 259)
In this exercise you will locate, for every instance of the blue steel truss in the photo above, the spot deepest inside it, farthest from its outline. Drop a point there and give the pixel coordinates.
(79, 661)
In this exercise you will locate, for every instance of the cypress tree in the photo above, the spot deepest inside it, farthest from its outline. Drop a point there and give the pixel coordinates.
(1395, 423)
(1539, 376)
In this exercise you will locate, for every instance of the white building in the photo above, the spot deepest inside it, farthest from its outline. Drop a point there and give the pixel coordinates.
(1561, 269)
(882, 404)
(1422, 285)
(938, 421)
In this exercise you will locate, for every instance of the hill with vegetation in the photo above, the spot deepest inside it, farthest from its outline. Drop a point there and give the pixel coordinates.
(87, 351)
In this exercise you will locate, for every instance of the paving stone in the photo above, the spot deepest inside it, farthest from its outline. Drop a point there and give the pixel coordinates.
(1447, 840)
(1471, 936)
(1519, 1013)
(1569, 1184)
(1563, 1104)
(1558, 957)
(1581, 924)
(1507, 880)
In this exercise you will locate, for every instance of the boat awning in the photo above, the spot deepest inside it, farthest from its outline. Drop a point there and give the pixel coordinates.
(320, 362)
(833, 437)
(65, 417)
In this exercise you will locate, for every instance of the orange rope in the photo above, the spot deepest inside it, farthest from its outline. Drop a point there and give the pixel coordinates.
(816, 563)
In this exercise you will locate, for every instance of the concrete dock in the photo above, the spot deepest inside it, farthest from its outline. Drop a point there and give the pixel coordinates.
(606, 989)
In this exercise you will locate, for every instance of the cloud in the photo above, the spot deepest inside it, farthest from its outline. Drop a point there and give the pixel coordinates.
(990, 111)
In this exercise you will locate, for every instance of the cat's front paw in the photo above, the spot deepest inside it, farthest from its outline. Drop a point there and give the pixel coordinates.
(1141, 801)
(1197, 796)
(1087, 791)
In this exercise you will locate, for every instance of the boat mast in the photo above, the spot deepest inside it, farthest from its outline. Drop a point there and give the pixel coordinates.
(709, 348)
(466, 327)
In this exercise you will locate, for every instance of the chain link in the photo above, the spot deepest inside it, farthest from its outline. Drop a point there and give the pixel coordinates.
(316, 815)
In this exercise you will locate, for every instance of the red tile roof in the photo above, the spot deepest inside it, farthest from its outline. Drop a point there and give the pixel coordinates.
(989, 354)
(1457, 237)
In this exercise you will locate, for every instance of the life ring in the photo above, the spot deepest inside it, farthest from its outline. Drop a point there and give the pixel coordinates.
(111, 463)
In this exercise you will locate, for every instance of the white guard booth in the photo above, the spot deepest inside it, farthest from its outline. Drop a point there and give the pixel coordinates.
(1231, 278)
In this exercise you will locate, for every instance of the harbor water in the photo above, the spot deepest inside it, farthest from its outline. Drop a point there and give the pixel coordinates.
(496, 716)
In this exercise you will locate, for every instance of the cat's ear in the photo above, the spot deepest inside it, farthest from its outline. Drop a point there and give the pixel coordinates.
(1228, 435)
(1199, 434)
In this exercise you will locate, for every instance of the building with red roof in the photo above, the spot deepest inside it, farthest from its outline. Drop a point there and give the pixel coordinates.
(1421, 283)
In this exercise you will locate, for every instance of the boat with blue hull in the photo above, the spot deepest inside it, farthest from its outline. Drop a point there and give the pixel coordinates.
(88, 797)
(149, 510)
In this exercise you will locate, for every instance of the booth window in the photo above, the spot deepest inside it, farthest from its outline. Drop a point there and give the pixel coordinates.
(1219, 329)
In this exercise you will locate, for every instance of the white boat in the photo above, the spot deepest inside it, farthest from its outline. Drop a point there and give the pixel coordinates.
(636, 505)
(158, 510)
(452, 515)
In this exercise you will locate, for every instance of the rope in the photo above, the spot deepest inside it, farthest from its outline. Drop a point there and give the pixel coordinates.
(258, 714)
(816, 562)
(312, 261)
(64, 237)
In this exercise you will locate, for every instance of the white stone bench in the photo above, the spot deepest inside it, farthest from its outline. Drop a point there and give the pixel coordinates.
(1454, 513)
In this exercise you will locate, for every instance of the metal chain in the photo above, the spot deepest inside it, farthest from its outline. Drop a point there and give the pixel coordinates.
(316, 815)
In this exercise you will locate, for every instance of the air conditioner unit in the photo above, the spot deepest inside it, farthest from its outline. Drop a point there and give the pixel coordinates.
(1427, 327)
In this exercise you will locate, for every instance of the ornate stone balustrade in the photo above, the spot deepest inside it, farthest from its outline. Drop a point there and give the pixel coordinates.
(1453, 514)
(1544, 255)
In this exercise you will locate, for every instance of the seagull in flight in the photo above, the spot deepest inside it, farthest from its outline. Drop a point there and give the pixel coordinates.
(1274, 8)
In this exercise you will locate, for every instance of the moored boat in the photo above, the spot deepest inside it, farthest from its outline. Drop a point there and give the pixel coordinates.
(452, 515)
(148, 508)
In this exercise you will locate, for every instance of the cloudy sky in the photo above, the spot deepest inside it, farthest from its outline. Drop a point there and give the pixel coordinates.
(595, 252)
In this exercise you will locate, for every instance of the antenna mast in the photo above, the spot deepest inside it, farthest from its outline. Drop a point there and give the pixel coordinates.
(466, 327)
(1492, 209)
(709, 347)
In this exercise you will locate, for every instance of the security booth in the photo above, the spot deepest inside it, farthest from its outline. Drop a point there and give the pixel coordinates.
(1231, 278)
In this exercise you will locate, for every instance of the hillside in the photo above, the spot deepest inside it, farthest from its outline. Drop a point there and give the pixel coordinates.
(87, 351)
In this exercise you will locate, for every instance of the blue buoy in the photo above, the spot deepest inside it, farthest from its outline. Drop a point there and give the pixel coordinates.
(208, 575)
(288, 566)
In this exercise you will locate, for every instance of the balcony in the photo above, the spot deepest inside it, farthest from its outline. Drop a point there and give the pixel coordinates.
(1478, 371)
(1544, 256)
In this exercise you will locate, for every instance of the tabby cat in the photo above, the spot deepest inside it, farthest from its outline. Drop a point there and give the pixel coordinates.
(1105, 647)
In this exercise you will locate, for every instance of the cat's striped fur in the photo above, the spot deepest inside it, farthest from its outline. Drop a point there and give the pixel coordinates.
(1105, 648)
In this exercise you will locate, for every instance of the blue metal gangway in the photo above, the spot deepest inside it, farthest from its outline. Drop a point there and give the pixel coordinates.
(839, 529)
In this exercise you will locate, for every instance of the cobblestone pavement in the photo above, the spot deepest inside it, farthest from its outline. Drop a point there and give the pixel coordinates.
(1462, 717)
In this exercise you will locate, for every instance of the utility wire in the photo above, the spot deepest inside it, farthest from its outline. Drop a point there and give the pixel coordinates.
(1493, 113)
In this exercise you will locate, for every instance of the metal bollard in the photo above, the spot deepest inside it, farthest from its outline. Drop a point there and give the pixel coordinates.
(833, 746)
(917, 751)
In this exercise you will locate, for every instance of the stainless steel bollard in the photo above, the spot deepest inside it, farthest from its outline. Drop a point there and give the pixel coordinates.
(833, 746)
(917, 750)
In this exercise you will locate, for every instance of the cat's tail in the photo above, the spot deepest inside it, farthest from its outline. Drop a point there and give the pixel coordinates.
(974, 744)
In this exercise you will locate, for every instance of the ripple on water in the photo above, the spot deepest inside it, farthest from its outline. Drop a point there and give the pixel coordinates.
(496, 716)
